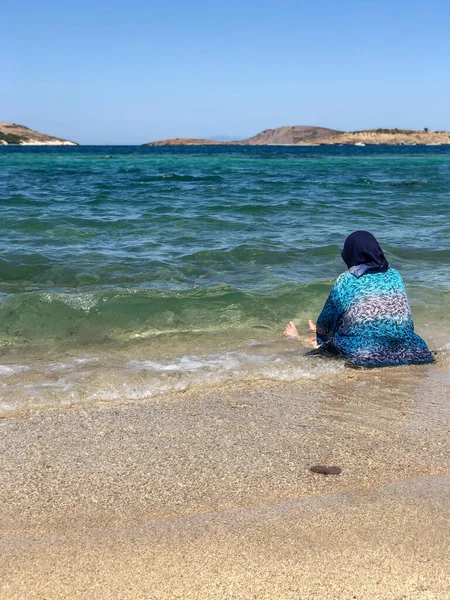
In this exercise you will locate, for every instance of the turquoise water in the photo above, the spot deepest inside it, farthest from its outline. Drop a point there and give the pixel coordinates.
(112, 255)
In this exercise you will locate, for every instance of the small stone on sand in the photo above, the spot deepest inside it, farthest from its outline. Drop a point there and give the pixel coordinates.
(326, 470)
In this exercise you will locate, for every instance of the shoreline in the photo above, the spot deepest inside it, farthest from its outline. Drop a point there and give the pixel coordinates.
(176, 497)
(148, 373)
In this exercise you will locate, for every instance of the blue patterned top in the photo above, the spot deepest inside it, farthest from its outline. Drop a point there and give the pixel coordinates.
(367, 320)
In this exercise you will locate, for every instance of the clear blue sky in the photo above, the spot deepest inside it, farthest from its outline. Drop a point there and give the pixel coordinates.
(138, 70)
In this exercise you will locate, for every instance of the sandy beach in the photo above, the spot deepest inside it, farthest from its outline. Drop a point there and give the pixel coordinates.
(209, 494)
(225, 301)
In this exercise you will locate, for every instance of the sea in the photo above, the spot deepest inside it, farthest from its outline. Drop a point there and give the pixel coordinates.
(129, 273)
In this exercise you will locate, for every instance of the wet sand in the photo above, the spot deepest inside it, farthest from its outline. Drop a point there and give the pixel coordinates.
(209, 495)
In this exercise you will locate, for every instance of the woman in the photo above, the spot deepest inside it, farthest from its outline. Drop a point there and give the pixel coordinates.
(367, 318)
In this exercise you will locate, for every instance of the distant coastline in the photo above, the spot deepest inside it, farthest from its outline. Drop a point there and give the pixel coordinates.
(319, 136)
(294, 135)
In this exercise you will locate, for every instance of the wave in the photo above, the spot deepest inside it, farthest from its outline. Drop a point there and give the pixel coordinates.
(108, 377)
(405, 253)
(406, 184)
(169, 177)
(138, 264)
(65, 319)
(386, 183)
(101, 377)
(269, 255)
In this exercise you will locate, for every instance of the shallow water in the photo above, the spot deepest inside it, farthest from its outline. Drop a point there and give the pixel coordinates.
(131, 271)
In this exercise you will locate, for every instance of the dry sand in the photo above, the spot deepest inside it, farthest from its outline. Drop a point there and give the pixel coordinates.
(209, 495)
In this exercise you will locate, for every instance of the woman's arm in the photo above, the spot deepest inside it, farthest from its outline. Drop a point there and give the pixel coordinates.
(329, 317)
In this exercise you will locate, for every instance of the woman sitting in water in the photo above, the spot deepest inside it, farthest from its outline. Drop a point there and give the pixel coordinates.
(367, 318)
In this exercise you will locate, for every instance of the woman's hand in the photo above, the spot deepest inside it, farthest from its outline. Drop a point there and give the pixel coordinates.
(313, 340)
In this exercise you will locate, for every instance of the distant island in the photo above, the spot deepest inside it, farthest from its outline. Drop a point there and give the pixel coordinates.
(19, 135)
(393, 137)
(281, 136)
(298, 135)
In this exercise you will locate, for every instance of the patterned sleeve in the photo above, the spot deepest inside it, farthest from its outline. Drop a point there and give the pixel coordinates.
(329, 317)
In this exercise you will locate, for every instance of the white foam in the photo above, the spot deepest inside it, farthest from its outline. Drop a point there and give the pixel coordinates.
(8, 370)
(118, 378)
(226, 361)
(445, 349)
(82, 301)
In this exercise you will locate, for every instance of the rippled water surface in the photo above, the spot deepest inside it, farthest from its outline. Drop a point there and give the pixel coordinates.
(129, 270)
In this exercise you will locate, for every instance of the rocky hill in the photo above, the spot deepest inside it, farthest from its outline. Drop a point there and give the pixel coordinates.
(286, 136)
(10, 133)
(291, 135)
(393, 137)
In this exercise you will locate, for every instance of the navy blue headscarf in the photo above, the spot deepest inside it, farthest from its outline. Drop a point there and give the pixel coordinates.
(363, 254)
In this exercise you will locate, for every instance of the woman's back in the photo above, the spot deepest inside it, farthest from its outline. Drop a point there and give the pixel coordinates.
(375, 303)
(367, 319)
